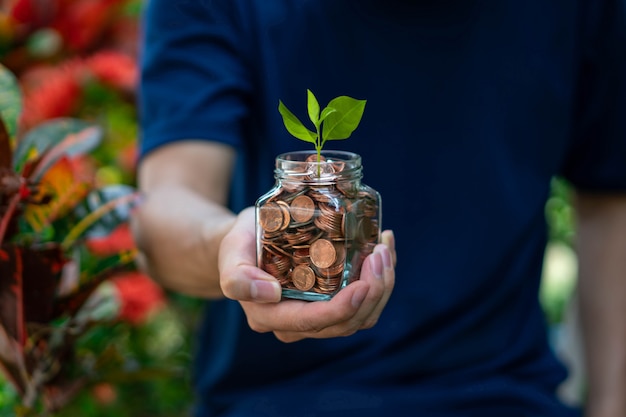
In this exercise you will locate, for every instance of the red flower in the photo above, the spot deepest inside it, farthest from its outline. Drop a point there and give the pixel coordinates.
(83, 22)
(123, 35)
(139, 296)
(50, 92)
(34, 13)
(114, 68)
(119, 240)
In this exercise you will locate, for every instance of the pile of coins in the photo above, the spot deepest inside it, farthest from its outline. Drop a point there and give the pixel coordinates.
(314, 238)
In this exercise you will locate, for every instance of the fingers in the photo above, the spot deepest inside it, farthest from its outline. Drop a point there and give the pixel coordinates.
(388, 239)
(240, 279)
(293, 320)
(356, 307)
(380, 265)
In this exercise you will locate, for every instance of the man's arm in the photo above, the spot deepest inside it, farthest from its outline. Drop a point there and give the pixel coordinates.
(191, 243)
(182, 218)
(601, 244)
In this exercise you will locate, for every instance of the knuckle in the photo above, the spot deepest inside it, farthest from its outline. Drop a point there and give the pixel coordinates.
(227, 288)
(369, 323)
(228, 284)
(349, 331)
(307, 325)
(256, 326)
(286, 338)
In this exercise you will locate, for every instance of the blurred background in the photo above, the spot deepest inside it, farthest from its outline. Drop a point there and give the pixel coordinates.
(77, 58)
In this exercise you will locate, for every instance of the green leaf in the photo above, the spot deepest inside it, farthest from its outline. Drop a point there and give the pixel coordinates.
(121, 198)
(341, 123)
(294, 125)
(313, 107)
(59, 136)
(116, 203)
(63, 185)
(10, 100)
(102, 270)
(327, 110)
(6, 153)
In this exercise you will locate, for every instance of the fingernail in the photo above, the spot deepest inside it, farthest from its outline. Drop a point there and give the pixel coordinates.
(388, 238)
(264, 290)
(386, 255)
(376, 262)
(358, 297)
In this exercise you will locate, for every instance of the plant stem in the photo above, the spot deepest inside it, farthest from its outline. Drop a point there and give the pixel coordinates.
(319, 160)
(318, 148)
(33, 389)
(6, 219)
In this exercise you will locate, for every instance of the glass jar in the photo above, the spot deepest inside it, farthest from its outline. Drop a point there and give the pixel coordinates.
(317, 224)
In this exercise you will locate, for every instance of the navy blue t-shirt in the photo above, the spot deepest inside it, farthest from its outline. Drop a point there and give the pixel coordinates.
(473, 106)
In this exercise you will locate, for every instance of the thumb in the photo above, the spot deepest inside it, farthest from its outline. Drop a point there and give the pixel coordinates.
(240, 278)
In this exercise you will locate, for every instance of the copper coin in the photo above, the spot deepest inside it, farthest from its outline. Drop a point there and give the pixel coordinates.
(348, 225)
(323, 253)
(366, 229)
(271, 217)
(303, 277)
(313, 158)
(284, 208)
(302, 208)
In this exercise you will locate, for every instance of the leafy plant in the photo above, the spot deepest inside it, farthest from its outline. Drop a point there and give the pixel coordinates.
(75, 60)
(50, 212)
(336, 121)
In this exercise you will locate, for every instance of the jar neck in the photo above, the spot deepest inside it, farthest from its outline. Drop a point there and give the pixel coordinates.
(303, 167)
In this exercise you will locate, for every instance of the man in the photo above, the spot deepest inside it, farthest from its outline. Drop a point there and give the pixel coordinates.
(472, 108)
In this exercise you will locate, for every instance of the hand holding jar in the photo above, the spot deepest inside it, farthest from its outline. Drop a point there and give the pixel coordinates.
(357, 306)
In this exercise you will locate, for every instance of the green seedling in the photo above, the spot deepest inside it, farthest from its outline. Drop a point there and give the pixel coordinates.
(336, 121)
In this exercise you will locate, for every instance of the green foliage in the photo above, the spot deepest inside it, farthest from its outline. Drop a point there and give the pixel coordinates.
(118, 118)
(560, 265)
(559, 212)
(154, 357)
(10, 100)
(336, 121)
(155, 381)
(148, 367)
(51, 134)
(46, 305)
(8, 399)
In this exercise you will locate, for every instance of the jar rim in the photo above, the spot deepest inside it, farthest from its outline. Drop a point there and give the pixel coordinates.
(301, 156)
(300, 166)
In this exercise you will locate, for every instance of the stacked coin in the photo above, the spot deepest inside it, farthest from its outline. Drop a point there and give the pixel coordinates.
(315, 237)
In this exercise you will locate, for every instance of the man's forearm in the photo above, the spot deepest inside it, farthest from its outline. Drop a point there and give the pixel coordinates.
(601, 244)
(181, 223)
(181, 253)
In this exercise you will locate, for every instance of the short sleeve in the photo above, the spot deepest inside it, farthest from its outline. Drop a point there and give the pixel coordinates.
(194, 78)
(596, 161)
